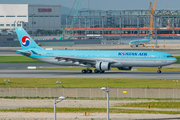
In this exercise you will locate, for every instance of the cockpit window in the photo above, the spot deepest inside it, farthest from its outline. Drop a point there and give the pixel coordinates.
(169, 56)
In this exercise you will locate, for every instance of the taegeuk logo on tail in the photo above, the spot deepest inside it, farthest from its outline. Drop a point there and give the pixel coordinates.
(25, 41)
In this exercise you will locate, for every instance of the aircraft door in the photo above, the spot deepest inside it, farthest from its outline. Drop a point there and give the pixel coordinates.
(157, 60)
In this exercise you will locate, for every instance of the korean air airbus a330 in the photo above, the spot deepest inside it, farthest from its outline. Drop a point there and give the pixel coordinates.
(101, 60)
(140, 42)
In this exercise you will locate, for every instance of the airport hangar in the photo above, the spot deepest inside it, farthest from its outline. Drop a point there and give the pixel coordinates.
(30, 16)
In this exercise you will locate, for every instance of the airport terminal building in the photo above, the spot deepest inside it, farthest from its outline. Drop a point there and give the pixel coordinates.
(30, 17)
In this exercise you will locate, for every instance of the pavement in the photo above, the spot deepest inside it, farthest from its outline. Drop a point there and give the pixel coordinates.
(78, 74)
(25, 66)
(81, 116)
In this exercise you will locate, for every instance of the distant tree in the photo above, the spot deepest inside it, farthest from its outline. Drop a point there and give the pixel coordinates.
(30, 32)
(4, 30)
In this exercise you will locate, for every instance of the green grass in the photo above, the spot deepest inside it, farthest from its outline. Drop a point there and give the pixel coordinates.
(90, 82)
(178, 59)
(90, 110)
(152, 104)
(18, 60)
(27, 60)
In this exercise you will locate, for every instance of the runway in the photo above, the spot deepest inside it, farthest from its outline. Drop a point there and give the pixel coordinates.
(78, 74)
(24, 66)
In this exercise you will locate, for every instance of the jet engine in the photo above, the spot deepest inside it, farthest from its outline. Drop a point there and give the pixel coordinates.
(124, 68)
(103, 66)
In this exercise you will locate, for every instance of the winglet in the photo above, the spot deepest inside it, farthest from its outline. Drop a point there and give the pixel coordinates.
(25, 40)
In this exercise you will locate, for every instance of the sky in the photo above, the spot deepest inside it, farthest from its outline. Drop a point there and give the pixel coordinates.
(102, 4)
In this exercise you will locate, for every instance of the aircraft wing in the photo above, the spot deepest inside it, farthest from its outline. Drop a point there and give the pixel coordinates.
(76, 59)
(81, 60)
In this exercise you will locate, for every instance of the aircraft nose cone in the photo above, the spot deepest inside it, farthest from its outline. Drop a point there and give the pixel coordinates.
(174, 60)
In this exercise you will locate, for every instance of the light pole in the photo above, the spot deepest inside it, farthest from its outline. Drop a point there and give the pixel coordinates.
(22, 23)
(175, 82)
(7, 81)
(55, 102)
(17, 23)
(32, 23)
(107, 90)
(58, 83)
(14, 23)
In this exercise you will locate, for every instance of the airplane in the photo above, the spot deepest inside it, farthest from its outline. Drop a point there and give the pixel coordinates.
(101, 60)
(140, 42)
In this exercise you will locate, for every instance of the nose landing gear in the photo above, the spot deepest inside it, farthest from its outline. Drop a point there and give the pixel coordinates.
(159, 70)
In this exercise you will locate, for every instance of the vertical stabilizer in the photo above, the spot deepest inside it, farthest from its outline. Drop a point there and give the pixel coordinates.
(25, 40)
(148, 37)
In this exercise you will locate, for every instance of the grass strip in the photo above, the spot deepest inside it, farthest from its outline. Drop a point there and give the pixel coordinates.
(27, 60)
(18, 60)
(90, 82)
(170, 104)
(91, 110)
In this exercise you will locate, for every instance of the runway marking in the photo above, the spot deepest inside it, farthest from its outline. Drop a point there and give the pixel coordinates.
(147, 77)
(67, 76)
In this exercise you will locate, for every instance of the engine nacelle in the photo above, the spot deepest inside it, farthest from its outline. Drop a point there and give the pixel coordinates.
(124, 68)
(103, 66)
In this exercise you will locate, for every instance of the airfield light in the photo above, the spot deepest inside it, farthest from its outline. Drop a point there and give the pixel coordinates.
(61, 98)
(175, 82)
(107, 90)
(58, 83)
(7, 81)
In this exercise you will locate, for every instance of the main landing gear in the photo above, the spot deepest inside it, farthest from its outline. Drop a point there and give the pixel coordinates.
(90, 71)
(159, 70)
(98, 71)
(86, 71)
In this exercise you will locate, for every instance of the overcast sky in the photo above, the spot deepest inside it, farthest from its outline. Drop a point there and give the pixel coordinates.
(102, 4)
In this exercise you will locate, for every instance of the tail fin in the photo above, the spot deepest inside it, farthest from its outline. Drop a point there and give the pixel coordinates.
(148, 37)
(25, 40)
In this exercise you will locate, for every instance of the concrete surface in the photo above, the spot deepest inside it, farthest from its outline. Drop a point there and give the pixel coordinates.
(81, 116)
(78, 74)
(24, 66)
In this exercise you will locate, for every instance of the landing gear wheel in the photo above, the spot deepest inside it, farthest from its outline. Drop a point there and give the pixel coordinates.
(101, 71)
(159, 71)
(136, 45)
(96, 71)
(89, 71)
(84, 71)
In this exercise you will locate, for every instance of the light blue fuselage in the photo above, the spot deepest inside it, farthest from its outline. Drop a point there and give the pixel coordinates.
(139, 42)
(120, 58)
